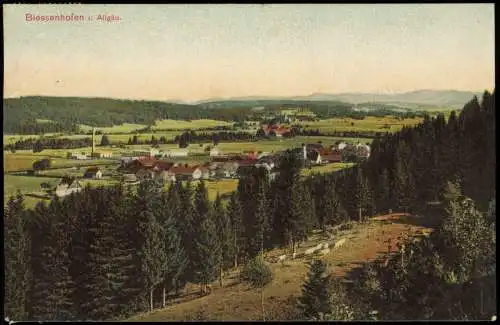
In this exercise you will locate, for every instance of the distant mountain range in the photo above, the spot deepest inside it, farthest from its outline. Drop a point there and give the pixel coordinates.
(413, 99)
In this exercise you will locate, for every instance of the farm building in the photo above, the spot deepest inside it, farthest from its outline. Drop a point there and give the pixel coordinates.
(363, 150)
(330, 156)
(214, 152)
(126, 160)
(140, 163)
(78, 155)
(93, 172)
(188, 172)
(314, 156)
(252, 155)
(68, 186)
(276, 130)
(102, 154)
(152, 152)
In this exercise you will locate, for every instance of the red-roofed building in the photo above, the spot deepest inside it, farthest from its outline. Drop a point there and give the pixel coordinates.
(330, 156)
(275, 129)
(188, 172)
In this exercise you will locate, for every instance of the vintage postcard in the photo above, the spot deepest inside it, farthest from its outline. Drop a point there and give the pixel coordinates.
(249, 162)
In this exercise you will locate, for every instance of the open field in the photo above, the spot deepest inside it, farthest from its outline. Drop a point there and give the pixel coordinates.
(370, 123)
(22, 161)
(25, 184)
(237, 301)
(223, 187)
(328, 168)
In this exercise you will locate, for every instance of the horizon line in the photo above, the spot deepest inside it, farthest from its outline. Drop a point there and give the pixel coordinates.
(242, 97)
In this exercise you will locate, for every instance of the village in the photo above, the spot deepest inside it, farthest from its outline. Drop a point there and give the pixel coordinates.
(214, 165)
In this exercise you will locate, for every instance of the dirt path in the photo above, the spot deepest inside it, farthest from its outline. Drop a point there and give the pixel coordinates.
(364, 242)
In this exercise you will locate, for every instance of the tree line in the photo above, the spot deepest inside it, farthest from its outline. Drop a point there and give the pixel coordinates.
(31, 126)
(42, 143)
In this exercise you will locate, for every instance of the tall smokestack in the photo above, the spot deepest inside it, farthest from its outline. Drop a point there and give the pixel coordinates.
(93, 142)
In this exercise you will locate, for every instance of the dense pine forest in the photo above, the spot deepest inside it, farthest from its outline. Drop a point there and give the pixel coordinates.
(108, 253)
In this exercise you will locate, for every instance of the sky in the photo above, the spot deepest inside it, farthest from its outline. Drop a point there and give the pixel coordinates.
(194, 52)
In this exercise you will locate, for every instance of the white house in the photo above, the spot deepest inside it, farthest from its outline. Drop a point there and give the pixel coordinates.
(215, 152)
(176, 153)
(68, 186)
(78, 156)
(103, 154)
(364, 147)
(341, 145)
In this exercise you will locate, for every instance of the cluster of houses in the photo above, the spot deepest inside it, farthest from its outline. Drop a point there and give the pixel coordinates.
(317, 154)
(87, 156)
(136, 169)
(148, 164)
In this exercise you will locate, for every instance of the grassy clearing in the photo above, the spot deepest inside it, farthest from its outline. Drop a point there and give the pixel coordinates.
(24, 160)
(25, 184)
(370, 123)
(236, 301)
(267, 145)
(329, 168)
(194, 124)
(223, 186)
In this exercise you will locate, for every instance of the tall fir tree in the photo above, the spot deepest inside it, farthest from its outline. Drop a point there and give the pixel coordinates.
(154, 257)
(315, 299)
(224, 232)
(235, 214)
(206, 254)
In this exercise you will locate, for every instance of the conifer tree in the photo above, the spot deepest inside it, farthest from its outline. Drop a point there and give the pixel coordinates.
(206, 254)
(260, 226)
(201, 203)
(224, 231)
(188, 229)
(296, 222)
(315, 299)
(362, 196)
(104, 140)
(175, 256)
(153, 255)
(17, 269)
(235, 215)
